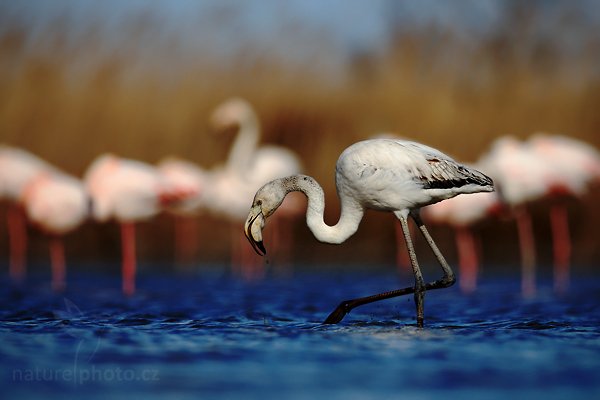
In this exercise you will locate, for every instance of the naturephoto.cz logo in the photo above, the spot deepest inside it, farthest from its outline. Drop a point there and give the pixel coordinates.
(82, 370)
(83, 375)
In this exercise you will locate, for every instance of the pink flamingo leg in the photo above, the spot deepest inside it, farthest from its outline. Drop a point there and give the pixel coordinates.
(561, 241)
(129, 258)
(527, 247)
(17, 236)
(468, 259)
(57, 262)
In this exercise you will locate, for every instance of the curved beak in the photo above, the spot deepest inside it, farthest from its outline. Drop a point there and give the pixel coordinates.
(253, 230)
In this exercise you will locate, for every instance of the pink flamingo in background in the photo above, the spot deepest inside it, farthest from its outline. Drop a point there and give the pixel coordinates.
(17, 168)
(181, 174)
(521, 177)
(248, 167)
(128, 191)
(461, 212)
(57, 204)
(574, 165)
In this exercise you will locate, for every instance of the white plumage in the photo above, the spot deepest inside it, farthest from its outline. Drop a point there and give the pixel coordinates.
(520, 175)
(128, 191)
(382, 174)
(573, 164)
(57, 204)
(17, 168)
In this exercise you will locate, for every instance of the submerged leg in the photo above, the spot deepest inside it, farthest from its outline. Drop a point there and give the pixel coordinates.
(17, 237)
(561, 243)
(527, 246)
(447, 280)
(468, 260)
(57, 262)
(129, 257)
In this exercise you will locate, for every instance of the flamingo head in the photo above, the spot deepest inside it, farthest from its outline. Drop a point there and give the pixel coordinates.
(231, 114)
(266, 201)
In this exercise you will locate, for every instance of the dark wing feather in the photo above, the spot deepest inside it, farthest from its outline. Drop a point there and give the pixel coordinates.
(446, 174)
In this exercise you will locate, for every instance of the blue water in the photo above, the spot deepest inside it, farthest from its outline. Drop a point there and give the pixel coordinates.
(211, 336)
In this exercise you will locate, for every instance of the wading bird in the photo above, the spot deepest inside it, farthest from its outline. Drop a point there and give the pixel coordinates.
(182, 174)
(521, 177)
(574, 166)
(248, 167)
(17, 168)
(397, 176)
(57, 204)
(128, 191)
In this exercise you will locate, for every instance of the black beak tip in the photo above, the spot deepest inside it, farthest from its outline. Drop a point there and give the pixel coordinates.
(261, 247)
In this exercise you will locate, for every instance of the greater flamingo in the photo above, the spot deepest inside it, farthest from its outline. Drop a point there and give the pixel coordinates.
(382, 174)
(182, 174)
(57, 204)
(574, 165)
(128, 191)
(17, 168)
(461, 212)
(521, 177)
(248, 167)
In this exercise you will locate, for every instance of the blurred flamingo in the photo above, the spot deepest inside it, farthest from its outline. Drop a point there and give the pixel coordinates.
(17, 168)
(128, 191)
(248, 167)
(183, 174)
(57, 204)
(574, 165)
(521, 177)
(462, 212)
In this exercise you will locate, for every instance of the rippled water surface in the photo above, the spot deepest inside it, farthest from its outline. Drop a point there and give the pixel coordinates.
(206, 336)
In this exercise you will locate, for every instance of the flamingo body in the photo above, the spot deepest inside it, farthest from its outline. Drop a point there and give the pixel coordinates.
(128, 191)
(57, 204)
(179, 174)
(248, 167)
(17, 168)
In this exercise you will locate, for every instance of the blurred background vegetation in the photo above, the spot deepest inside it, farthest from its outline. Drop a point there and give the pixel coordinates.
(79, 78)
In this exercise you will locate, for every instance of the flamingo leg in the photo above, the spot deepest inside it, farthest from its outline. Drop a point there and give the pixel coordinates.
(419, 282)
(129, 257)
(468, 261)
(448, 280)
(402, 258)
(57, 262)
(561, 241)
(17, 236)
(527, 246)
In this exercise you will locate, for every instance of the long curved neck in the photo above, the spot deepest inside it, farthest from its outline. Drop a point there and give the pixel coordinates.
(245, 143)
(350, 216)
